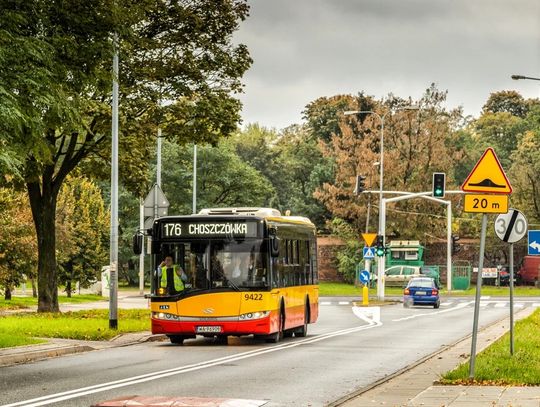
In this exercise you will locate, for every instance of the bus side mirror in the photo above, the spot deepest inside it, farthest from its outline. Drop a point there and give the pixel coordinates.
(137, 243)
(274, 246)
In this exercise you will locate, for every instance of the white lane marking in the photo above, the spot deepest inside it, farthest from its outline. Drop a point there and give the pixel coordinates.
(484, 303)
(485, 297)
(447, 303)
(98, 388)
(325, 303)
(344, 302)
(519, 305)
(536, 304)
(456, 308)
(500, 305)
(368, 314)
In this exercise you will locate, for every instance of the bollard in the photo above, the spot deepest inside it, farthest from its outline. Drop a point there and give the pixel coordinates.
(365, 295)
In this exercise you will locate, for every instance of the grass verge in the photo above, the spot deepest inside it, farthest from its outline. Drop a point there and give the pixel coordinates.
(84, 325)
(343, 289)
(27, 302)
(495, 365)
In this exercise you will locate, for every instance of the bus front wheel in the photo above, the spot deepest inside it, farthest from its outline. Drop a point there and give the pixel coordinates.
(277, 336)
(176, 339)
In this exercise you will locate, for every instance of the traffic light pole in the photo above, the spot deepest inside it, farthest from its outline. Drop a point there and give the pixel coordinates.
(381, 260)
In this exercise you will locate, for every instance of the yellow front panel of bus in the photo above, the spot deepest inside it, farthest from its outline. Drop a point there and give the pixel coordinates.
(227, 304)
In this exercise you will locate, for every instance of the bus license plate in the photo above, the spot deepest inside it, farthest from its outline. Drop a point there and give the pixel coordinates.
(208, 329)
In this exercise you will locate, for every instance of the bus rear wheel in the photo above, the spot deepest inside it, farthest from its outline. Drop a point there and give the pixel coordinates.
(301, 332)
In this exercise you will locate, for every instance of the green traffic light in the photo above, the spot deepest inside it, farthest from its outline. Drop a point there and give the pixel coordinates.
(380, 252)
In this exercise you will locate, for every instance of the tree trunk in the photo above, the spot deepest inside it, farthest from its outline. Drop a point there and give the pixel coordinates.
(68, 289)
(34, 288)
(7, 294)
(43, 203)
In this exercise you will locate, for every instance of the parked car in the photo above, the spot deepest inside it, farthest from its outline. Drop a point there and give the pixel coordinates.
(400, 275)
(433, 272)
(421, 291)
(529, 273)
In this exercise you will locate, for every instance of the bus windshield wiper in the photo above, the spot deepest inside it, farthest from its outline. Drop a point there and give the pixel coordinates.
(232, 285)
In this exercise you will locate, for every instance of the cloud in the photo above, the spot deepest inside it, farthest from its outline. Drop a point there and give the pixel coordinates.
(305, 49)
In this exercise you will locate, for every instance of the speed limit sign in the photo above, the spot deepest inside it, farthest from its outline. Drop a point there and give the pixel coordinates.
(512, 226)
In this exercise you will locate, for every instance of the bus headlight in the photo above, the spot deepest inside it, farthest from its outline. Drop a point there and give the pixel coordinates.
(254, 315)
(165, 316)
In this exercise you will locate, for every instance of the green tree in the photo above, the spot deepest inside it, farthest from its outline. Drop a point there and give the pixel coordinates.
(55, 89)
(223, 178)
(523, 173)
(507, 101)
(83, 224)
(18, 245)
(416, 144)
(324, 115)
(302, 169)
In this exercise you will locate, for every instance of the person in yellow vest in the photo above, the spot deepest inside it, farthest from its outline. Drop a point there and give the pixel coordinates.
(172, 276)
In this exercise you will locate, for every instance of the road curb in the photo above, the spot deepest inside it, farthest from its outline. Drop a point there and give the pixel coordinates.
(24, 354)
(40, 354)
(380, 382)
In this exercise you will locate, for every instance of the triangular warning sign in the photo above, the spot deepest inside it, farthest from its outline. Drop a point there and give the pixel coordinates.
(487, 176)
(369, 238)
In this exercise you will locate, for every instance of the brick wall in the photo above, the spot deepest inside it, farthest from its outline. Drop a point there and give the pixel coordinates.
(327, 247)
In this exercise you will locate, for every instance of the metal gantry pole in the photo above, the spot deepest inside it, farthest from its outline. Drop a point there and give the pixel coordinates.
(449, 246)
(477, 297)
(113, 296)
(141, 256)
(194, 178)
(382, 259)
(158, 164)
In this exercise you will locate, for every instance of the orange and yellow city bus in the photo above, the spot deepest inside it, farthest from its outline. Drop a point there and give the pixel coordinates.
(247, 271)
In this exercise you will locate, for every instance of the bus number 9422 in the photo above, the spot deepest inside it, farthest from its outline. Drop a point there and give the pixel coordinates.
(254, 297)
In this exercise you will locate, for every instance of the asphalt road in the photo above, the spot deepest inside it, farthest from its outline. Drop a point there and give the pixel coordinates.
(343, 352)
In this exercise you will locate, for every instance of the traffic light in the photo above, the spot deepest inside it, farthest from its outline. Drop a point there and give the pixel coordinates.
(439, 184)
(379, 246)
(456, 247)
(360, 184)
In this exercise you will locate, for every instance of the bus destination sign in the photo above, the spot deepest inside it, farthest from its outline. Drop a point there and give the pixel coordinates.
(208, 229)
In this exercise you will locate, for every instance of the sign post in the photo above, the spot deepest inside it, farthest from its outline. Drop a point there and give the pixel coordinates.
(486, 178)
(511, 228)
(364, 278)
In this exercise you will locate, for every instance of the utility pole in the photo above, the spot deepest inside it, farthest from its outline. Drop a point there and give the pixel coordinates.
(113, 296)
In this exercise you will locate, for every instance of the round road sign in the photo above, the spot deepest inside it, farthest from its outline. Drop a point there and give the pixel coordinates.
(512, 226)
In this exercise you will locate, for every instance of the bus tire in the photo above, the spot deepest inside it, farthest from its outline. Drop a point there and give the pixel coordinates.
(277, 336)
(222, 339)
(301, 332)
(176, 339)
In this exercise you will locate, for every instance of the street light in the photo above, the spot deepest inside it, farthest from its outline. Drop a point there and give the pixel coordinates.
(380, 260)
(518, 77)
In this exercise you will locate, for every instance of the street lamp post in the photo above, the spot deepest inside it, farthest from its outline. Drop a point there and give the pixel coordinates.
(518, 77)
(380, 260)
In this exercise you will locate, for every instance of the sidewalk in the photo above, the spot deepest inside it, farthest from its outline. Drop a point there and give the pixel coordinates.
(416, 386)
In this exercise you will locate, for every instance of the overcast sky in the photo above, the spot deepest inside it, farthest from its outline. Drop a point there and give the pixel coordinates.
(305, 49)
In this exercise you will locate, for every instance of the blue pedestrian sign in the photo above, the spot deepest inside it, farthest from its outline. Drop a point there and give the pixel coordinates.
(369, 252)
(364, 276)
(534, 242)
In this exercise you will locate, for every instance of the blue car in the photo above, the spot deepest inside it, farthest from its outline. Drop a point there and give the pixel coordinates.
(421, 291)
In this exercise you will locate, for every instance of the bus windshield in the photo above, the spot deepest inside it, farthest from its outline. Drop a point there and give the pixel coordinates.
(218, 264)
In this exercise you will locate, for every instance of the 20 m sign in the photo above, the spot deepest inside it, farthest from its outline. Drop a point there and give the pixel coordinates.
(482, 203)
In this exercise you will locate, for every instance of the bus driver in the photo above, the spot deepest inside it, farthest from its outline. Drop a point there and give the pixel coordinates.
(172, 276)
